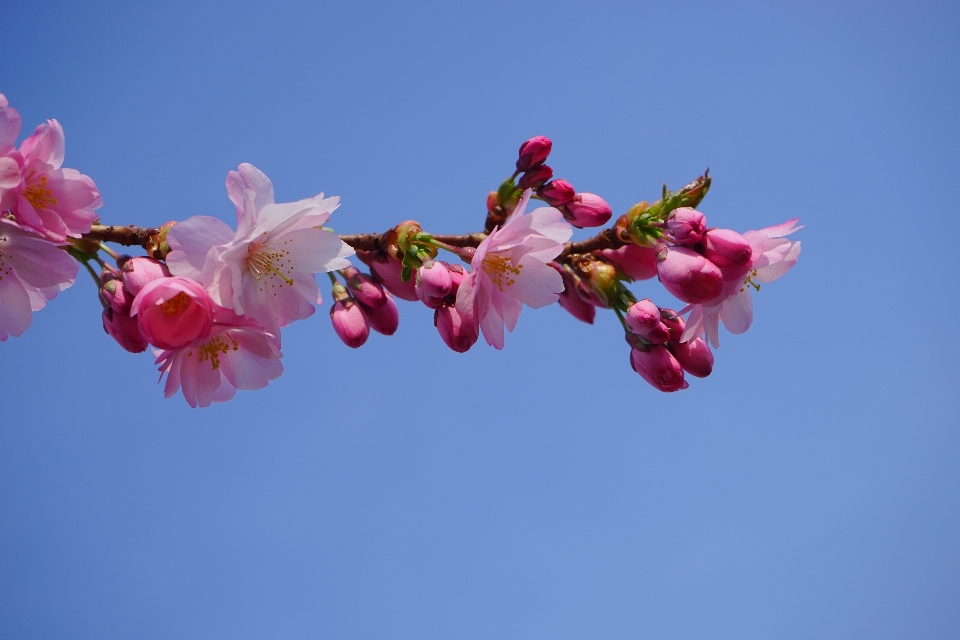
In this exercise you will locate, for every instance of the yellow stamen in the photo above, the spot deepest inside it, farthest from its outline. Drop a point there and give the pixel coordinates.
(213, 349)
(38, 194)
(177, 304)
(266, 263)
(498, 267)
(749, 281)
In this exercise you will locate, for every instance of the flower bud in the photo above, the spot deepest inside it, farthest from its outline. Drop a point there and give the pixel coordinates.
(493, 201)
(674, 323)
(725, 248)
(535, 177)
(388, 274)
(386, 318)
(533, 152)
(137, 272)
(122, 328)
(687, 225)
(113, 294)
(350, 323)
(689, 276)
(637, 263)
(458, 332)
(643, 319)
(657, 366)
(557, 192)
(365, 289)
(571, 301)
(695, 357)
(587, 210)
(173, 312)
(434, 279)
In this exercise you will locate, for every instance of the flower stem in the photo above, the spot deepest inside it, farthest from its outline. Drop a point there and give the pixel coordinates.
(107, 250)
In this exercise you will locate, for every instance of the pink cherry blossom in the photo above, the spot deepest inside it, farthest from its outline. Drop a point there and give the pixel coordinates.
(32, 271)
(56, 202)
(173, 312)
(509, 269)
(237, 354)
(772, 256)
(265, 268)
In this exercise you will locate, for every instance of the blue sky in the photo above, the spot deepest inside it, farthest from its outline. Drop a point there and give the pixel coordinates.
(808, 488)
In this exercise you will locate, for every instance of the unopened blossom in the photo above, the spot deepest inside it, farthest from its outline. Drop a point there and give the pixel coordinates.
(237, 354)
(772, 256)
(56, 202)
(124, 329)
(137, 272)
(634, 261)
(434, 279)
(587, 210)
(570, 300)
(388, 273)
(687, 225)
(535, 177)
(173, 312)
(365, 289)
(458, 331)
(509, 269)
(694, 357)
(689, 276)
(725, 248)
(384, 319)
(533, 152)
(643, 319)
(265, 269)
(32, 271)
(656, 365)
(557, 193)
(350, 322)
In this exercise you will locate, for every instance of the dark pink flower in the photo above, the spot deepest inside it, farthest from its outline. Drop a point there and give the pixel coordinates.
(388, 274)
(587, 210)
(695, 357)
(533, 152)
(173, 312)
(458, 331)
(689, 276)
(535, 177)
(384, 319)
(557, 193)
(687, 225)
(636, 262)
(124, 329)
(350, 323)
(725, 248)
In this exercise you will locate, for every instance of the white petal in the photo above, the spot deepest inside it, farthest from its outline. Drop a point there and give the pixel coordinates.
(737, 312)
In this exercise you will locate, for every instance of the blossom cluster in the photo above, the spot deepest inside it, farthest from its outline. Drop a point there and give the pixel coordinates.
(212, 300)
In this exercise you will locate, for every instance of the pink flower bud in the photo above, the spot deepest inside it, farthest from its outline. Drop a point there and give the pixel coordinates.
(639, 263)
(587, 210)
(173, 312)
(122, 328)
(571, 301)
(533, 152)
(458, 332)
(350, 323)
(113, 294)
(689, 276)
(687, 225)
(725, 248)
(674, 323)
(657, 366)
(535, 177)
(695, 357)
(434, 278)
(643, 316)
(364, 288)
(557, 192)
(388, 274)
(137, 272)
(386, 318)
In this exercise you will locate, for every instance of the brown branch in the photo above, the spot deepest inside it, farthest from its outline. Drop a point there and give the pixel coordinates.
(127, 236)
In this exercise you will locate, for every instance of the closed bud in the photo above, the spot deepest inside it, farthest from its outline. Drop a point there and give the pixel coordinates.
(689, 276)
(122, 328)
(587, 210)
(635, 262)
(113, 294)
(557, 192)
(387, 273)
(643, 316)
(365, 289)
(673, 322)
(603, 280)
(533, 152)
(457, 331)
(687, 225)
(657, 366)
(386, 318)
(695, 357)
(535, 177)
(350, 323)
(725, 248)
(434, 279)
(137, 272)
(571, 301)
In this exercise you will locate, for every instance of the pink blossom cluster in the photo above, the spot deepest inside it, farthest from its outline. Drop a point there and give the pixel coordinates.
(42, 205)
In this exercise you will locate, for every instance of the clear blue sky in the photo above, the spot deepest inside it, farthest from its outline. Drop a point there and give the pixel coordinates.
(808, 489)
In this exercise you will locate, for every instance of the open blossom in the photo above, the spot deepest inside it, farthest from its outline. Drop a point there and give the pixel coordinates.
(236, 354)
(265, 268)
(56, 202)
(509, 269)
(32, 271)
(173, 312)
(772, 256)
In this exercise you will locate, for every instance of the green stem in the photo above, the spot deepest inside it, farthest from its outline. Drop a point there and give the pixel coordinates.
(93, 274)
(107, 250)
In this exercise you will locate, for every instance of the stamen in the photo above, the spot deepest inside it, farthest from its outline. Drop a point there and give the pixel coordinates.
(213, 349)
(266, 263)
(177, 304)
(498, 267)
(38, 194)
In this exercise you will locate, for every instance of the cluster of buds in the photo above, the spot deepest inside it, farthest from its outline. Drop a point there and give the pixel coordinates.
(212, 300)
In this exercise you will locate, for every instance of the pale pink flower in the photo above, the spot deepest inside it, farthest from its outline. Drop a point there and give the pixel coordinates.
(237, 354)
(56, 202)
(265, 268)
(32, 271)
(772, 256)
(509, 269)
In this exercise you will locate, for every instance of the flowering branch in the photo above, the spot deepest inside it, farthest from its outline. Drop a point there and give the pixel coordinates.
(213, 300)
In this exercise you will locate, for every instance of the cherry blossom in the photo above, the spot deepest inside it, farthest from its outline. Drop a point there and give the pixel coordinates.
(772, 256)
(509, 269)
(32, 271)
(265, 268)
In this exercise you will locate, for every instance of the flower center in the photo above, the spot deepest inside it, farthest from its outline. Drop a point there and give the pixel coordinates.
(177, 304)
(266, 264)
(39, 194)
(213, 349)
(749, 281)
(500, 269)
